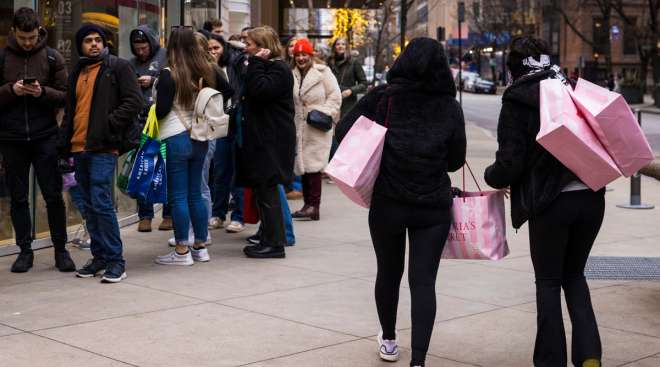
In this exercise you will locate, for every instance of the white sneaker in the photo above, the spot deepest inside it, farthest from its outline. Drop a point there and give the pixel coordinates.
(201, 255)
(216, 223)
(387, 349)
(175, 259)
(235, 227)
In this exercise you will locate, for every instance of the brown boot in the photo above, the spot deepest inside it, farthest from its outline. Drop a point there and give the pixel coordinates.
(144, 225)
(165, 225)
(307, 212)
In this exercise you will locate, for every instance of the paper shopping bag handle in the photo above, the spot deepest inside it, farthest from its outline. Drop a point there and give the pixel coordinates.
(473, 177)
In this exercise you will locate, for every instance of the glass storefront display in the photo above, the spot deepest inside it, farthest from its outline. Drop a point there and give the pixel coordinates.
(62, 18)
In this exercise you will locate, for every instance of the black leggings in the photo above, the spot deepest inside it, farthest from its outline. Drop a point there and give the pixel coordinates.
(427, 231)
(560, 241)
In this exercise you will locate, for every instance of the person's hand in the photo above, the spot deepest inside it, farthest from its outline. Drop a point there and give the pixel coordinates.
(145, 81)
(264, 53)
(347, 93)
(32, 89)
(18, 88)
(506, 191)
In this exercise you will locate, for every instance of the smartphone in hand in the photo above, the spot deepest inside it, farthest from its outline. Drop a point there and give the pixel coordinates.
(29, 80)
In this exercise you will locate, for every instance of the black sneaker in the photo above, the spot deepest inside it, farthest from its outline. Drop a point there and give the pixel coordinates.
(91, 269)
(23, 262)
(254, 239)
(114, 273)
(63, 261)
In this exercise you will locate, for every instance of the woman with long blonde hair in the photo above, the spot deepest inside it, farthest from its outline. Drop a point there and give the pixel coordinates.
(192, 68)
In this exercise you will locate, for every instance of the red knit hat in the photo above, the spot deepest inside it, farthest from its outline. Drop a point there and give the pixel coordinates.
(303, 46)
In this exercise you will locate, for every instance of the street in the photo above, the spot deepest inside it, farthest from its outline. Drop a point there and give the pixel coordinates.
(483, 110)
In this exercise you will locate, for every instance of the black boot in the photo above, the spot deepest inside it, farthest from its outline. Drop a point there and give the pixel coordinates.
(63, 261)
(264, 252)
(23, 262)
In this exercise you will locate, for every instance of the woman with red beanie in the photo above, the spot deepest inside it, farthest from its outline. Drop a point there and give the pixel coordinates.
(317, 98)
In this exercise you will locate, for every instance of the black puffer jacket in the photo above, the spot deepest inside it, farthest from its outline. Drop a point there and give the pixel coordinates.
(536, 177)
(426, 130)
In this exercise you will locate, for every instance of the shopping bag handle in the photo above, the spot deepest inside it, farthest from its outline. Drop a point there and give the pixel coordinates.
(473, 177)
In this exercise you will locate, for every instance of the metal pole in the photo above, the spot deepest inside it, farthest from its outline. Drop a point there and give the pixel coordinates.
(461, 16)
(636, 185)
(404, 23)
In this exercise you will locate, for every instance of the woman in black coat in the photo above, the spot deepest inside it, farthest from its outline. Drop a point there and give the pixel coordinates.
(564, 215)
(425, 140)
(267, 136)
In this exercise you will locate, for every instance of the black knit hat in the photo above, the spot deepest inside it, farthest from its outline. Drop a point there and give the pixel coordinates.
(86, 30)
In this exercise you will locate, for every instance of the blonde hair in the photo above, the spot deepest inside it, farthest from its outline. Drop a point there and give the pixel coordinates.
(266, 37)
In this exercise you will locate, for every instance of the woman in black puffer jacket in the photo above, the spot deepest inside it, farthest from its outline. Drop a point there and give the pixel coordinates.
(425, 140)
(564, 215)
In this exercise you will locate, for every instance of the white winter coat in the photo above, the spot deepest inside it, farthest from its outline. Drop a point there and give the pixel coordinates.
(319, 91)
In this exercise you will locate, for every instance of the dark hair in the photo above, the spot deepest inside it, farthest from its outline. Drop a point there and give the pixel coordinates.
(225, 58)
(245, 29)
(521, 48)
(212, 23)
(26, 20)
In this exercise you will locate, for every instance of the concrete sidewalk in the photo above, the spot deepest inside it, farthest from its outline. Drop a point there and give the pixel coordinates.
(316, 307)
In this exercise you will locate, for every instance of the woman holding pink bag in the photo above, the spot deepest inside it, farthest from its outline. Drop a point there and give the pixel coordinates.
(425, 140)
(564, 214)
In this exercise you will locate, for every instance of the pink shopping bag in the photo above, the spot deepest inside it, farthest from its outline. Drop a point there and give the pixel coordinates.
(478, 229)
(615, 126)
(356, 164)
(570, 139)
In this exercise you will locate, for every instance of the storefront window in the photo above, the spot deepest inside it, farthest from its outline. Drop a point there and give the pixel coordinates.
(198, 11)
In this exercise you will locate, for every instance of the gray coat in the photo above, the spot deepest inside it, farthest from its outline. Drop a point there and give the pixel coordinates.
(350, 75)
(157, 60)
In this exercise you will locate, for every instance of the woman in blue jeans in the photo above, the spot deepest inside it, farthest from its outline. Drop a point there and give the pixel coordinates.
(187, 52)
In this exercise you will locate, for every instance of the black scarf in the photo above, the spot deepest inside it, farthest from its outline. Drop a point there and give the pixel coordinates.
(84, 60)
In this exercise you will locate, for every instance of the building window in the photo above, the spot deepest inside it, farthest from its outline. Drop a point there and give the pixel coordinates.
(629, 40)
(601, 35)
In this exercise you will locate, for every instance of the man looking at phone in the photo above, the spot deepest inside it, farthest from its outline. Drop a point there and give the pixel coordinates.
(32, 87)
(148, 60)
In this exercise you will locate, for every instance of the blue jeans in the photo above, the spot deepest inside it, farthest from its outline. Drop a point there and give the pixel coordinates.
(95, 173)
(288, 221)
(77, 199)
(224, 172)
(206, 190)
(185, 160)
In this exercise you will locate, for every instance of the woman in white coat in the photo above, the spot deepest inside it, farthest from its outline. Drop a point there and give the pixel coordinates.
(315, 89)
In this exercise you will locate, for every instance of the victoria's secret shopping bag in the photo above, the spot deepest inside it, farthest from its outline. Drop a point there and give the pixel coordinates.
(478, 228)
(570, 139)
(614, 124)
(356, 164)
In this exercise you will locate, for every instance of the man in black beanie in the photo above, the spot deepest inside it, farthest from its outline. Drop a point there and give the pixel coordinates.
(103, 101)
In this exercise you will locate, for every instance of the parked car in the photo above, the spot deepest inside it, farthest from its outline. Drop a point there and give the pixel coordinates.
(472, 82)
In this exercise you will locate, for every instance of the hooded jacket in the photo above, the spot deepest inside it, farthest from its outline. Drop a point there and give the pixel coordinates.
(31, 118)
(535, 176)
(426, 130)
(155, 63)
